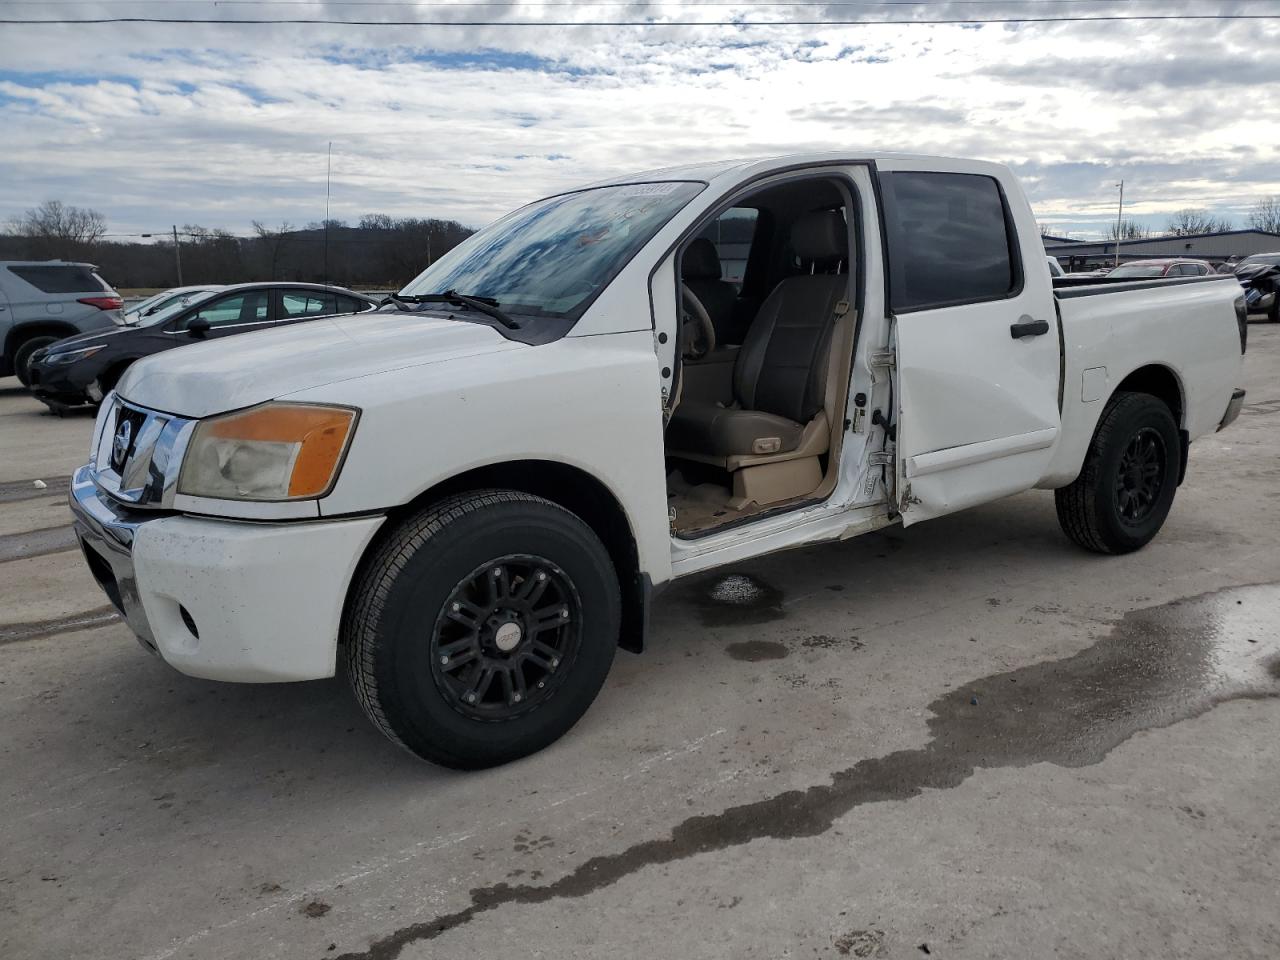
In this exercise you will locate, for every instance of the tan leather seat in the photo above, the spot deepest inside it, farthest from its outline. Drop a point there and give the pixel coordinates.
(779, 379)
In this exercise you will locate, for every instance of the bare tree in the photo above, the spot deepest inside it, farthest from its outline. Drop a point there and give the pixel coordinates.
(274, 242)
(1265, 214)
(1128, 230)
(55, 230)
(1194, 220)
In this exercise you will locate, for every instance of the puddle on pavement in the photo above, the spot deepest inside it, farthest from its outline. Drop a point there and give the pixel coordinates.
(1158, 666)
(738, 600)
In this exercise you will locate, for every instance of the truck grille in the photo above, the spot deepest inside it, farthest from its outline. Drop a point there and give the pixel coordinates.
(139, 453)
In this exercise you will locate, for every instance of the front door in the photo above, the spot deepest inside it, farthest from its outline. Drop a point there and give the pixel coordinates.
(976, 338)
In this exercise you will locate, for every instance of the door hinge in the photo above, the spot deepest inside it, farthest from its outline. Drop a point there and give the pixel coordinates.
(883, 358)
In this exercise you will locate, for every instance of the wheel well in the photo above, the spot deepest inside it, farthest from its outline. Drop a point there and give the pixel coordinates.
(20, 335)
(1163, 384)
(581, 494)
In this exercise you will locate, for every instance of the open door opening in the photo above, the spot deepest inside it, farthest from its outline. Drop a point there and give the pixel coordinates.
(767, 295)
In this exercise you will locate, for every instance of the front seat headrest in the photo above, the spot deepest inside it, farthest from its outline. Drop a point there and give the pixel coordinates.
(700, 261)
(819, 237)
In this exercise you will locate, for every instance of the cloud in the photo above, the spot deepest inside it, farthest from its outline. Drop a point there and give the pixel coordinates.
(222, 124)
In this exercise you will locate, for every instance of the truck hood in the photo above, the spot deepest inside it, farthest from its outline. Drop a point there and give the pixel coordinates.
(220, 375)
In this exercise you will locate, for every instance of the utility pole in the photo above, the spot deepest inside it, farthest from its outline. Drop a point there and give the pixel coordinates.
(327, 178)
(1119, 222)
(177, 253)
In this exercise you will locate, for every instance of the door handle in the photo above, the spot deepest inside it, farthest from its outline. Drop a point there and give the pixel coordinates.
(1026, 327)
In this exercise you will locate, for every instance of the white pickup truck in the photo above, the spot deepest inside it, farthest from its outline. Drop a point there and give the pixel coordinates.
(471, 495)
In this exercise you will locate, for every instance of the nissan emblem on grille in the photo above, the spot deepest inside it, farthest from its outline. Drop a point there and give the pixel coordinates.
(120, 446)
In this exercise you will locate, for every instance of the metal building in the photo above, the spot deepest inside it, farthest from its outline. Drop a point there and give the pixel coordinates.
(1214, 247)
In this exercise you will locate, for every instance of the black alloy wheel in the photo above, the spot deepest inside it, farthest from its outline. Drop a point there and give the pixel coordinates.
(506, 637)
(1140, 477)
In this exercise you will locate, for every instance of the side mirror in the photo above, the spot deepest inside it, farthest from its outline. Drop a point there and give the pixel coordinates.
(198, 327)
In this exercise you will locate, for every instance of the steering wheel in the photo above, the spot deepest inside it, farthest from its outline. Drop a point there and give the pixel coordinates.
(697, 332)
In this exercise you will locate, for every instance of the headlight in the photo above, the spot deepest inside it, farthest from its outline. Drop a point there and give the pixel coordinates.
(279, 451)
(71, 356)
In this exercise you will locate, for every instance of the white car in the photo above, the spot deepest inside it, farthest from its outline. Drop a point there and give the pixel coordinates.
(164, 301)
(472, 496)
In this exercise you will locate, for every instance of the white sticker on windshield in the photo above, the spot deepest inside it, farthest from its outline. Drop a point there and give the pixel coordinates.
(649, 189)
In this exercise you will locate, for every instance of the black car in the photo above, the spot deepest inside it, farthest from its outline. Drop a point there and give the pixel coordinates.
(82, 369)
(1260, 277)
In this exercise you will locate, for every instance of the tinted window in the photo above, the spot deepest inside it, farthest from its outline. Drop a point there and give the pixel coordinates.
(732, 233)
(552, 257)
(307, 303)
(238, 308)
(949, 240)
(350, 305)
(68, 278)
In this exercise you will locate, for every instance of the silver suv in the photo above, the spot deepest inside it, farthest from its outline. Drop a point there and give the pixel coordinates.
(45, 300)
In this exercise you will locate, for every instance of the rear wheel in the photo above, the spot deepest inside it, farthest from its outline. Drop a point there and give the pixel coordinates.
(22, 357)
(482, 629)
(1123, 494)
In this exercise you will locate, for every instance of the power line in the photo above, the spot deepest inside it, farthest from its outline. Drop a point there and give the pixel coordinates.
(561, 24)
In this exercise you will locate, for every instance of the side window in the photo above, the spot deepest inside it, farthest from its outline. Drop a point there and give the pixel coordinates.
(61, 278)
(950, 240)
(238, 308)
(350, 305)
(732, 233)
(299, 303)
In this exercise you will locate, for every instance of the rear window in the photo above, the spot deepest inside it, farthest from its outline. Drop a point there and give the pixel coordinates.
(1136, 273)
(949, 240)
(61, 278)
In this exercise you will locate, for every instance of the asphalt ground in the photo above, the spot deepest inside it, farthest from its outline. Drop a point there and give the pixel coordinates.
(968, 739)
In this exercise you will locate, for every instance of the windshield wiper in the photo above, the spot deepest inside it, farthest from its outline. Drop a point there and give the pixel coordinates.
(485, 305)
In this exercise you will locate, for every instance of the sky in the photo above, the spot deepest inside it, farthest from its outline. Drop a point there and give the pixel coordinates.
(221, 124)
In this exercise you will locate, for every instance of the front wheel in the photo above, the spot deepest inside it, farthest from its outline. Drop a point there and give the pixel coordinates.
(482, 628)
(1124, 492)
(22, 357)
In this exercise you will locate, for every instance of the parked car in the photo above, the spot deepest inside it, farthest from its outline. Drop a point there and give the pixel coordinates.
(1160, 267)
(83, 369)
(1260, 277)
(42, 301)
(471, 496)
(163, 300)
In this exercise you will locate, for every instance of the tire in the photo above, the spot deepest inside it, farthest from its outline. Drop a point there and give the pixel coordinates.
(1123, 494)
(425, 589)
(22, 357)
(107, 382)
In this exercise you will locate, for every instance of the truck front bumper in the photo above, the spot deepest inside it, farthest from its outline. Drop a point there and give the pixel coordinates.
(222, 599)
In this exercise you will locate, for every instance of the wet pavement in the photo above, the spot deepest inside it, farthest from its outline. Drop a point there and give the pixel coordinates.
(967, 740)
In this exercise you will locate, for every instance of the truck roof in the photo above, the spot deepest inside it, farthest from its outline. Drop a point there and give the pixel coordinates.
(753, 166)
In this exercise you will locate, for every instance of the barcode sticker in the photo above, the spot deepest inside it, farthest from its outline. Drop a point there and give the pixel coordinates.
(648, 189)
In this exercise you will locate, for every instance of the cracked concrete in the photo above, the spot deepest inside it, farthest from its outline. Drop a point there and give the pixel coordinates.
(797, 767)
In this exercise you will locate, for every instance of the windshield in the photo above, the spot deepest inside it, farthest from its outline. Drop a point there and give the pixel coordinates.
(160, 306)
(1260, 258)
(1136, 271)
(169, 308)
(552, 257)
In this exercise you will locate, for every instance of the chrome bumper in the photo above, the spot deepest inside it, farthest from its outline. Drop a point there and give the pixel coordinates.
(1233, 409)
(106, 537)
